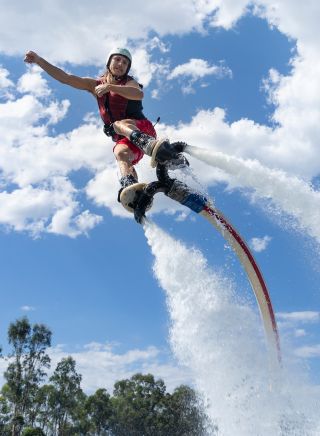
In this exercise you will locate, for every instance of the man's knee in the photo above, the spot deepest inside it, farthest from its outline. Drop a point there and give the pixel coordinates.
(124, 127)
(123, 154)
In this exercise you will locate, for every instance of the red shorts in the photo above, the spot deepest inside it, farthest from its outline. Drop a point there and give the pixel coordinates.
(146, 127)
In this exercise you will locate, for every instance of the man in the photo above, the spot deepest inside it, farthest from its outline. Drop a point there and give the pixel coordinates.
(119, 99)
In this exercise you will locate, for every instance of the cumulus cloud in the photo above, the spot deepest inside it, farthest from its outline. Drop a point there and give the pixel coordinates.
(308, 352)
(197, 69)
(156, 43)
(33, 82)
(226, 12)
(37, 192)
(65, 222)
(260, 244)
(294, 323)
(301, 317)
(98, 33)
(101, 365)
(297, 325)
(5, 83)
(143, 67)
(49, 208)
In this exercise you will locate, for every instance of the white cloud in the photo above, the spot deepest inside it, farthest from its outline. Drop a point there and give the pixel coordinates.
(51, 208)
(299, 333)
(260, 244)
(23, 118)
(294, 22)
(5, 82)
(290, 323)
(37, 194)
(198, 68)
(27, 308)
(303, 317)
(227, 12)
(83, 33)
(101, 366)
(156, 43)
(65, 222)
(143, 68)
(308, 351)
(87, 221)
(33, 82)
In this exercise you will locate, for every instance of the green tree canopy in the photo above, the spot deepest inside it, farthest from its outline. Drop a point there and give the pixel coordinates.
(65, 394)
(26, 370)
(99, 410)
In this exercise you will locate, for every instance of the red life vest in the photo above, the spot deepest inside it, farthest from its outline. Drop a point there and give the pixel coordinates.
(112, 106)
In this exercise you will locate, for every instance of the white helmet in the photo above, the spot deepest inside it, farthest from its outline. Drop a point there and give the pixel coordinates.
(120, 51)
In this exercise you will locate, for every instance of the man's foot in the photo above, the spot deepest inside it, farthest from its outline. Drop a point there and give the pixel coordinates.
(169, 154)
(126, 181)
(134, 195)
(160, 150)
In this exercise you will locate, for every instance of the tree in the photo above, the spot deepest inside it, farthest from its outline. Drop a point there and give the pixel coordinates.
(26, 370)
(141, 407)
(184, 415)
(137, 404)
(99, 410)
(5, 414)
(43, 406)
(65, 395)
(30, 431)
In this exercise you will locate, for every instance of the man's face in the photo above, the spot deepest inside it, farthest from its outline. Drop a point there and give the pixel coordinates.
(119, 65)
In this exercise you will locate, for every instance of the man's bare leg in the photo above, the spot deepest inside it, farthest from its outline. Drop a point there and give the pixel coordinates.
(129, 129)
(160, 150)
(125, 158)
(128, 173)
(125, 127)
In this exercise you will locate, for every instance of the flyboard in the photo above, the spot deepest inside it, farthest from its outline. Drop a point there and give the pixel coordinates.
(138, 199)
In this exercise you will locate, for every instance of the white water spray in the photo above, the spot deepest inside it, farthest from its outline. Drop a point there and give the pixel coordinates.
(221, 341)
(287, 193)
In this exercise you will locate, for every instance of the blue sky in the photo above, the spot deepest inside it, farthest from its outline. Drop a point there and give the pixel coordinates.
(238, 80)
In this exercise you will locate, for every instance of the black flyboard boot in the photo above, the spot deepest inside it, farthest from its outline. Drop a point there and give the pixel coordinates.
(160, 150)
(132, 192)
(169, 154)
(143, 141)
(126, 181)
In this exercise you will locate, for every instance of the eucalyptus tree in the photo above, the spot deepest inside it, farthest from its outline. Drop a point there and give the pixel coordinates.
(28, 363)
(65, 396)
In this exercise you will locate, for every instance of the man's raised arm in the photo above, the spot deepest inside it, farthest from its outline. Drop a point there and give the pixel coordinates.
(85, 83)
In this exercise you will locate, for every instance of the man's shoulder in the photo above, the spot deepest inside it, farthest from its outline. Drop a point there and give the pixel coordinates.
(132, 80)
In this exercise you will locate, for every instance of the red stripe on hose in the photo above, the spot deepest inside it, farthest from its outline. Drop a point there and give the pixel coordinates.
(240, 241)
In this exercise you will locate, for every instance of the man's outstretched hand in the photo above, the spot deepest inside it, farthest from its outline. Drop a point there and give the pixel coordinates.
(31, 57)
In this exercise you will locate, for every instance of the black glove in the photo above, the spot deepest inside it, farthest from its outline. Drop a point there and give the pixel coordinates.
(109, 130)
